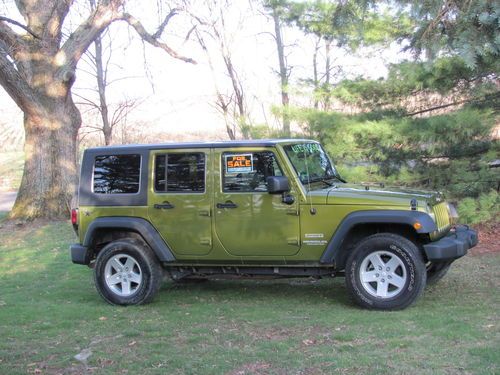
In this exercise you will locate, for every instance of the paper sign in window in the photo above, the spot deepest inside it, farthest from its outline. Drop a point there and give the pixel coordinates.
(239, 163)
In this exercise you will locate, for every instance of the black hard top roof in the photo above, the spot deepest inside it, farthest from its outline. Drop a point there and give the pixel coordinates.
(215, 144)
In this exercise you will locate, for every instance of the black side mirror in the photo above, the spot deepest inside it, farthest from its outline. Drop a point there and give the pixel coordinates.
(277, 184)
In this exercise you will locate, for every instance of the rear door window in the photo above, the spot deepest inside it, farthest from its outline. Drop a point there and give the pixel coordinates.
(180, 173)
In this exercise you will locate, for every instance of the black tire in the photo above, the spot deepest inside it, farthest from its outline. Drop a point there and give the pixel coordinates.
(436, 271)
(146, 265)
(387, 249)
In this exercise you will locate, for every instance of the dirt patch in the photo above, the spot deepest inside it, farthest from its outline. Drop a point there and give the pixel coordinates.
(255, 368)
(489, 238)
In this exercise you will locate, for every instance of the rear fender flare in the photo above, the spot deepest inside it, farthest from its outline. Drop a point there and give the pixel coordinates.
(134, 224)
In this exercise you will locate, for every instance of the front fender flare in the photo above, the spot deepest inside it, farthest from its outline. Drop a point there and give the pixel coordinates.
(334, 247)
(135, 224)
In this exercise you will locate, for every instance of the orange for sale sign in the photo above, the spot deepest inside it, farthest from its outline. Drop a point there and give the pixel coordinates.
(242, 163)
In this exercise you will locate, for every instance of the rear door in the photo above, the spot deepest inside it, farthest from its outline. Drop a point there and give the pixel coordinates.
(180, 201)
(248, 220)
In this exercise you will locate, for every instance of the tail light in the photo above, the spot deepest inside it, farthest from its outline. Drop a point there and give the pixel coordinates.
(74, 216)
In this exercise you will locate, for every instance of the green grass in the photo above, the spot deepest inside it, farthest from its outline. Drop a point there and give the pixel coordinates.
(49, 312)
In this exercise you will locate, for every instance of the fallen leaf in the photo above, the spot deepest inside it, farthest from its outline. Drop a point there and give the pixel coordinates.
(132, 343)
(103, 318)
(308, 342)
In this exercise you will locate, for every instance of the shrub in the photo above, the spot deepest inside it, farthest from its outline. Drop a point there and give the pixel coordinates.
(484, 208)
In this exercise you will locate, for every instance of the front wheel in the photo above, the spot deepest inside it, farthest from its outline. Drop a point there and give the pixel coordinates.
(127, 273)
(386, 272)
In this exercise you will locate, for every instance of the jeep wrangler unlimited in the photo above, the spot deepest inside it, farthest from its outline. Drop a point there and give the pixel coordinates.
(273, 208)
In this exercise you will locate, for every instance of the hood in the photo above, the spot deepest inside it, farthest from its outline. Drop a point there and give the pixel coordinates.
(354, 194)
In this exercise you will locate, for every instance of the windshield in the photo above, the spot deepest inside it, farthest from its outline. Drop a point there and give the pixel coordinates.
(312, 164)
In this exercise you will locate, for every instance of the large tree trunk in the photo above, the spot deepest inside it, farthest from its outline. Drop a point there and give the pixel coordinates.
(49, 178)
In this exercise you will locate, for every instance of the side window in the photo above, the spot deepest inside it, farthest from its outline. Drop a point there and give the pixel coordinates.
(117, 174)
(248, 171)
(180, 173)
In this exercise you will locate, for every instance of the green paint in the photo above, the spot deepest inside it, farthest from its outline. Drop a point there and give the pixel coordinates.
(261, 227)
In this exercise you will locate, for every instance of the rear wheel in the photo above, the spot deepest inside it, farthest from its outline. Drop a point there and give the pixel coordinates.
(436, 271)
(385, 271)
(127, 273)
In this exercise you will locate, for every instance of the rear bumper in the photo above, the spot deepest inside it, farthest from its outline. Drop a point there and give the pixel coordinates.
(453, 246)
(79, 254)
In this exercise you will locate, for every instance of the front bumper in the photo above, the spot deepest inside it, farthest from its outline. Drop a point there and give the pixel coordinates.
(79, 254)
(453, 246)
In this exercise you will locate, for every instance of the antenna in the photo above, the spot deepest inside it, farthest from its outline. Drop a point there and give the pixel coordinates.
(312, 210)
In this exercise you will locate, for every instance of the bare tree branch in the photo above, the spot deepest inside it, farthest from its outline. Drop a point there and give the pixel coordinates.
(78, 42)
(18, 24)
(12, 40)
(13, 83)
(165, 22)
(139, 28)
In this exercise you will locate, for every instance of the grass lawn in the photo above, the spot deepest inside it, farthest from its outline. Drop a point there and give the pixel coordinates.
(49, 312)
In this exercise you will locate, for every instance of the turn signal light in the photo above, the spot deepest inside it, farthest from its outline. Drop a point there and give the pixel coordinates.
(417, 225)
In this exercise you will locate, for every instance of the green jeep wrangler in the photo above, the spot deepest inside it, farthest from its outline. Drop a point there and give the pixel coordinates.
(272, 208)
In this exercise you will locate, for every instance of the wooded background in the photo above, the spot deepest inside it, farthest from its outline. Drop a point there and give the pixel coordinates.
(431, 121)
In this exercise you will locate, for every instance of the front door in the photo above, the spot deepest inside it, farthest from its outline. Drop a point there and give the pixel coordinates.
(179, 201)
(248, 220)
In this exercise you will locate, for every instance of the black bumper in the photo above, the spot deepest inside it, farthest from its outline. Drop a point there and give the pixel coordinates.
(453, 246)
(79, 254)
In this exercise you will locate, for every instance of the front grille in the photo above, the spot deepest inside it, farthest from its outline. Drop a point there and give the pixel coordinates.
(442, 216)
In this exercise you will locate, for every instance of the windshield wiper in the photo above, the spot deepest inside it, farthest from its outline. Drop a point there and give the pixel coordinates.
(321, 180)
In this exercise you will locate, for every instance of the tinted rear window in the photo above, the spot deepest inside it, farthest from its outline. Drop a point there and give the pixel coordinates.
(117, 174)
(180, 173)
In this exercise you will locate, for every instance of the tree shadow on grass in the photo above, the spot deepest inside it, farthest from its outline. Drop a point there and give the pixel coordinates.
(302, 291)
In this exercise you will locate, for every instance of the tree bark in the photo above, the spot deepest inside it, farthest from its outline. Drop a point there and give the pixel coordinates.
(107, 129)
(327, 92)
(283, 72)
(316, 90)
(49, 177)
